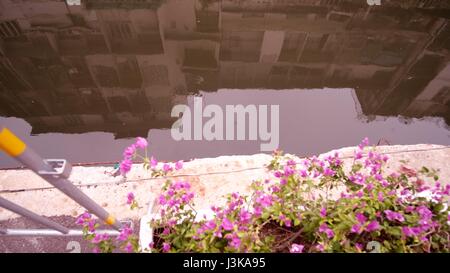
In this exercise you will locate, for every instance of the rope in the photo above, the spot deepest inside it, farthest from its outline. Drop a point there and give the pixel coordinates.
(207, 173)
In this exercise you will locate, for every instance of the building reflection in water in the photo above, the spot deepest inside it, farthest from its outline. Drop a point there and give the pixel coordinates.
(120, 66)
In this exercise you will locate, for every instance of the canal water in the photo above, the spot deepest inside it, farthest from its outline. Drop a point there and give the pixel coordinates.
(81, 80)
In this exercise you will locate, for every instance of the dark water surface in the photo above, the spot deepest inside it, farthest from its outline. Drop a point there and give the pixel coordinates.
(81, 81)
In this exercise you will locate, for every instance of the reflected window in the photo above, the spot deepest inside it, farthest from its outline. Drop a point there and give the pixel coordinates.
(119, 104)
(106, 76)
(241, 46)
(292, 45)
(155, 75)
(9, 28)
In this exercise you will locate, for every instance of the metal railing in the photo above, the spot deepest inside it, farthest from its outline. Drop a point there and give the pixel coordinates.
(56, 172)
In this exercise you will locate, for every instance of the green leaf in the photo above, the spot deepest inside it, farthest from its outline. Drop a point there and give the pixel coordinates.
(438, 208)
(220, 244)
(395, 231)
(356, 167)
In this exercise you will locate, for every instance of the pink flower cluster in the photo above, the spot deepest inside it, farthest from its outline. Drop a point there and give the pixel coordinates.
(176, 195)
(425, 223)
(374, 205)
(130, 198)
(364, 225)
(394, 216)
(98, 238)
(325, 229)
(128, 154)
(125, 236)
(104, 242)
(86, 221)
(166, 167)
(296, 248)
(132, 151)
(229, 222)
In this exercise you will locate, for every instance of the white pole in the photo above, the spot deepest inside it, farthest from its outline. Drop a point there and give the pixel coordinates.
(52, 232)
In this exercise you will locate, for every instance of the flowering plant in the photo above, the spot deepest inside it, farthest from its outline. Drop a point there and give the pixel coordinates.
(315, 205)
(126, 240)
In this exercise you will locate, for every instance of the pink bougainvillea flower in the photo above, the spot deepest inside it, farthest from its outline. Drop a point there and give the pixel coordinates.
(187, 185)
(277, 174)
(291, 162)
(356, 228)
(125, 166)
(323, 212)
(179, 165)
(409, 209)
(303, 173)
(359, 246)
(129, 151)
(361, 218)
(218, 232)
(226, 224)
(211, 225)
(129, 247)
(162, 200)
(79, 221)
(124, 234)
(405, 192)
(364, 143)
(171, 192)
(372, 226)
(153, 162)
(275, 188)
(296, 248)
(325, 229)
(235, 242)
(167, 167)
(424, 212)
(244, 216)
(97, 239)
(141, 142)
(265, 200)
(380, 196)
(392, 216)
(257, 211)
(328, 172)
(288, 171)
(320, 247)
(187, 197)
(287, 222)
(408, 232)
(358, 179)
(91, 225)
(130, 198)
(166, 247)
(83, 218)
(166, 231)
